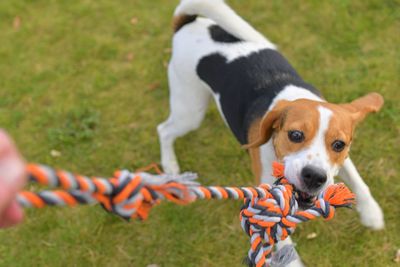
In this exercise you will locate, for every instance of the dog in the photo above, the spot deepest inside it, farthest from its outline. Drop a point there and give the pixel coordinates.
(269, 108)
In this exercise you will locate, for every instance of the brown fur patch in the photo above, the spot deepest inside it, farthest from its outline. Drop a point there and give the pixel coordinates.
(361, 106)
(341, 127)
(255, 152)
(179, 21)
(271, 120)
(301, 115)
(344, 119)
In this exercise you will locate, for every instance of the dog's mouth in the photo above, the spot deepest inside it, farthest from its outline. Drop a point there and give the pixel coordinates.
(304, 199)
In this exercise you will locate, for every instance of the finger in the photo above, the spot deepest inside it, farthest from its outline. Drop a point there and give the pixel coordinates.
(12, 215)
(7, 146)
(12, 179)
(12, 171)
(12, 166)
(7, 195)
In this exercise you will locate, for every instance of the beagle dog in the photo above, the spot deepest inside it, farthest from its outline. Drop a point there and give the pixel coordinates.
(269, 108)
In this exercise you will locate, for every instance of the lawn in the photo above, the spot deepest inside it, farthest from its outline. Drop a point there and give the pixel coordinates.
(88, 79)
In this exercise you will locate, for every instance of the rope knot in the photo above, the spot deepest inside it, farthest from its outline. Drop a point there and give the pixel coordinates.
(266, 221)
(134, 194)
(336, 195)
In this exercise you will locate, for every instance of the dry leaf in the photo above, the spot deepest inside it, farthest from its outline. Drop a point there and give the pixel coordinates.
(55, 153)
(130, 56)
(133, 125)
(17, 22)
(312, 235)
(154, 86)
(167, 50)
(153, 265)
(134, 20)
(397, 257)
(392, 173)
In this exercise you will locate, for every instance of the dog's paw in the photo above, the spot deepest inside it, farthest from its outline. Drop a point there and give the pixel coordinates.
(371, 214)
(296, 263)
(171, 167)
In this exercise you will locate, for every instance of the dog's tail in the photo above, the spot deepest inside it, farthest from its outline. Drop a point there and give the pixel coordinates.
(221, 13)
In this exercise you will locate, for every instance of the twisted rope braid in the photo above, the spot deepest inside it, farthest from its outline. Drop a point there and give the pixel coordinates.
(270, 212)
(129, 195)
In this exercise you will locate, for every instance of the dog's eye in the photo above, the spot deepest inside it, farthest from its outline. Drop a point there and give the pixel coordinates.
(338, 145)
(296, 136)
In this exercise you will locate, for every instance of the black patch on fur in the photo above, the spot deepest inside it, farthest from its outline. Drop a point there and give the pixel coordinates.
(248, 85)
(220, 35)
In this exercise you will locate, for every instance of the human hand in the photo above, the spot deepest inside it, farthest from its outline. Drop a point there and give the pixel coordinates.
(12, 179)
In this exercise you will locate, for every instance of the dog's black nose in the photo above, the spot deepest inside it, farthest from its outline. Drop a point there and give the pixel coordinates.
(313, 177)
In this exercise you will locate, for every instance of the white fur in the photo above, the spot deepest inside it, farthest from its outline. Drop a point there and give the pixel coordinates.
(224, 16)
(370, 212)
(189, 98)
(292, 92)
(218, 103)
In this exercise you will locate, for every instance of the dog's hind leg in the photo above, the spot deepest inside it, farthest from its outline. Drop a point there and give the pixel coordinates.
(370, 212)
(188, 104)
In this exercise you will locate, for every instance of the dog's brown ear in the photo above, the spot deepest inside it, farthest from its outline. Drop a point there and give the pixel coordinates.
(364, 105)
(267, 124)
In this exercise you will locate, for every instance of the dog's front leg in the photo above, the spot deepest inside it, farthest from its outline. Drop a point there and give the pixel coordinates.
(370, 212)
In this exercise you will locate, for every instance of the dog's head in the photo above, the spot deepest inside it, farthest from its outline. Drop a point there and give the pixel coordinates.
(313, 138)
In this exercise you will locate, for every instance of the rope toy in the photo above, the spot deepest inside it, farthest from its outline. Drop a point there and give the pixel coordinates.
(270, 212)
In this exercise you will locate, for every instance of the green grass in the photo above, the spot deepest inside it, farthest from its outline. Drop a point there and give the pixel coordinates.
(79, 77)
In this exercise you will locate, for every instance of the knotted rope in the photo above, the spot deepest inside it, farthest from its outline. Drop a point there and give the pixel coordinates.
(270, 212)
(274, 217)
